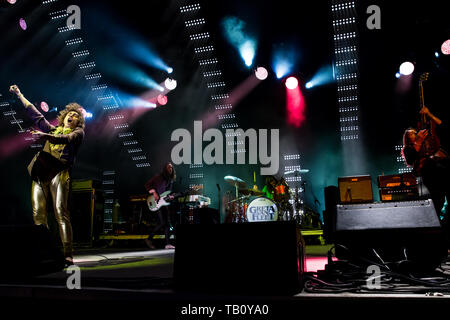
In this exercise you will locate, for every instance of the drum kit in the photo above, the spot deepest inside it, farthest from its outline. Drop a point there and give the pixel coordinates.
(277, 201)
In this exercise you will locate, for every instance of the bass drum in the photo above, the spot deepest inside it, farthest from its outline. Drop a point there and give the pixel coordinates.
(261, 209)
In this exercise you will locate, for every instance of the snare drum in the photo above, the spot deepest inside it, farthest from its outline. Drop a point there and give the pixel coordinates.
(261, 209)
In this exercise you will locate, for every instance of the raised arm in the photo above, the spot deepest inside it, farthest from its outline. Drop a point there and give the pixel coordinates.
(15, 89)
(37, 117)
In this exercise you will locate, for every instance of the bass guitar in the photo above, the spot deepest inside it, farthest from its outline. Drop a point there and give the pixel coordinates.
(431, 144)
(166, 197)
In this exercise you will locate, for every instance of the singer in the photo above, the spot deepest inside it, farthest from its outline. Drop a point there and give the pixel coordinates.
(51, 168)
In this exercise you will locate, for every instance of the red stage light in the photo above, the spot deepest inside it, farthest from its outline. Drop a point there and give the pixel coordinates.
(295, 106)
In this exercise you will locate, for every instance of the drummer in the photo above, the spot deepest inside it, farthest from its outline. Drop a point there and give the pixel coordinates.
(269, 187)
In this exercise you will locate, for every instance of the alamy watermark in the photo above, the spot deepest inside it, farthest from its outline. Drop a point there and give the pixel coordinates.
(74, 280)
(74, 19)
(374, 20)
(374, 280)
(213, 153)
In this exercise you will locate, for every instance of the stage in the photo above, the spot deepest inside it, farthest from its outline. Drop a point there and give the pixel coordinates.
(116, 281)
(296, 159)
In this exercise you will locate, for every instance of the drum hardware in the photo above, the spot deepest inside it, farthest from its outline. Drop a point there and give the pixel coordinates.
(297, 171)
(236, 182)
(296, 203)
(252, 192)
(236, 206)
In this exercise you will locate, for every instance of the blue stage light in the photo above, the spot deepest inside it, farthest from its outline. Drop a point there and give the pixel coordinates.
(323, 76)
(238, 37)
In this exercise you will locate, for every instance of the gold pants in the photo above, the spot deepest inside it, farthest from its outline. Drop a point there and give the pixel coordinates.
(58, 188)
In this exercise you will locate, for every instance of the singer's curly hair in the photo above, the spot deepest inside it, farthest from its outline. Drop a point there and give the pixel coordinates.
(73, 106)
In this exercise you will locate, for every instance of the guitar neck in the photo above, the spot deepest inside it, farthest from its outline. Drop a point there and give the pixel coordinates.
(179, 194)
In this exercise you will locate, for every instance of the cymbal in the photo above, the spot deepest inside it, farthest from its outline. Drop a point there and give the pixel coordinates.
(297, 171)
(239, 199)
(235, 181)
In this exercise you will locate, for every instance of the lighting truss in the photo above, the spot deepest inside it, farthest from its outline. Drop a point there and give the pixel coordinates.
(199, 36)
(223, 106)
(208, 61)
(345, 38)
(73, 41)
(189, 8)
(291, 157)
(81, 53)
(212, 73)
(195, 22)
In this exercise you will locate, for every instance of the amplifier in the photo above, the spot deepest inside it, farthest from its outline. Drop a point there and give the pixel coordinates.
(355, 189)
(86, 211)
(397, 180)
(398, 187)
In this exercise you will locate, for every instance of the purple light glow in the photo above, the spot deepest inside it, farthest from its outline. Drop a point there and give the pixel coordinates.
(23, 24)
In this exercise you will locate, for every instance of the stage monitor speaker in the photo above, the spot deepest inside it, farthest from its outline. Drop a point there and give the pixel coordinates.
(259, 258)
(27, 251)
(395, 231)
(355, 189)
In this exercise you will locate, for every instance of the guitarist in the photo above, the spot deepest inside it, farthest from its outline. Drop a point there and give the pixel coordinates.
(51, 168)
(432, 164)
(155, 186)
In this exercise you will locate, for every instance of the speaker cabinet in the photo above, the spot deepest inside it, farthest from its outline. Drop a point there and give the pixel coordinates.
(356, 189)
(27, 251)
(86, 215)
(331, 195)
(241, 258)
(394, 231)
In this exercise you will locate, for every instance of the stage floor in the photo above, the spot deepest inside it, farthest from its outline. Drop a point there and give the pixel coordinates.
(136, 277)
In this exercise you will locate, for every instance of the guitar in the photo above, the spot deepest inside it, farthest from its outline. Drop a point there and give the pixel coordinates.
(166, 197)
(431, 144)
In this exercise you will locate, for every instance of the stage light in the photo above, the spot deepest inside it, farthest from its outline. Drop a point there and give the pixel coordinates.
(291, 83)
(88, 115)
(397, 75)
(162, 99)
(309, 85)
(169, 70)
(436, 54)
(11, 1)
(406, 68)
(247, 51)
(261, 73)
(234, 30)
(283, 61)
(44, 106)
(281, 69)
(445, 48)
(170, 84)
(23, 24)
(295, 104)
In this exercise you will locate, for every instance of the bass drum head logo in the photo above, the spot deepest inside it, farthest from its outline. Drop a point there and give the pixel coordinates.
(262, 209)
